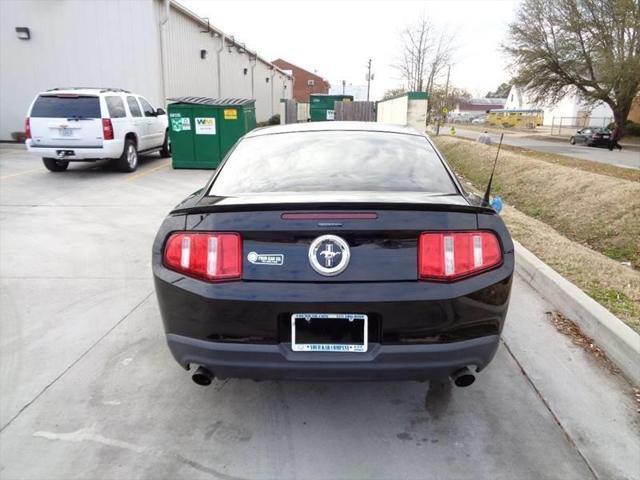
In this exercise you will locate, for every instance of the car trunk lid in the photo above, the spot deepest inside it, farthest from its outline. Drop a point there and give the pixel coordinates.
(382, 242)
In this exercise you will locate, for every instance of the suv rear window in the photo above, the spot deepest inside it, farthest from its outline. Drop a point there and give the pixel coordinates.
(66, 106)
(133, 107)
(116, 107)
(333, 161)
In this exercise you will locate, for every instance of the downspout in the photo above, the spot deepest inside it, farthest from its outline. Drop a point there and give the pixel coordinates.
(273, 74)
(253, 67)
(223, 39)
(164, 19)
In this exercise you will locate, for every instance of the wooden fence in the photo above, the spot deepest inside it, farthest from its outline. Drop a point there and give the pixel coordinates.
(359, 111)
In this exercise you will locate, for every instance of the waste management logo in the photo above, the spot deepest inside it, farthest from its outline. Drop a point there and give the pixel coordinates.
(205, 126)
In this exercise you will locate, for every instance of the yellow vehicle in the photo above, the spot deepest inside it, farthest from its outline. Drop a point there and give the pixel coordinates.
(516, 118)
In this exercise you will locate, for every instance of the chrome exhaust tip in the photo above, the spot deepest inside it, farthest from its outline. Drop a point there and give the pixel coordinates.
(463, 377)
(202, 376)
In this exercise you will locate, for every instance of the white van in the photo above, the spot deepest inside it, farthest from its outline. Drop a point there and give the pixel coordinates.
(88, 124)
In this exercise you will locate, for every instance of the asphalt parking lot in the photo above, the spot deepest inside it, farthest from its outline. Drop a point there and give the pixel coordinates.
(89, 389)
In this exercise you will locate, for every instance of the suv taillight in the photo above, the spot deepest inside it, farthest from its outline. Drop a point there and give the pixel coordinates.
(27, 128)
(447, 256)
(107, 129)
(209, 256)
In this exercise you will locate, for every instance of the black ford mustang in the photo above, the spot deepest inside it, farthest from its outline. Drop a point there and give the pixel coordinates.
(333, 250)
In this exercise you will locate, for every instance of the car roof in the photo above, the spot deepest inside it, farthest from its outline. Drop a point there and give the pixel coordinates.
(83, 91)
(333, 126)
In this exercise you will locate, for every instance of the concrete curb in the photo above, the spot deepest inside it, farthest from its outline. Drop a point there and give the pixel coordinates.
(619, 341)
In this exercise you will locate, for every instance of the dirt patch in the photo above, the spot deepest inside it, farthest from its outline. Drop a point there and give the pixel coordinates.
(573, 331)
(596, 210)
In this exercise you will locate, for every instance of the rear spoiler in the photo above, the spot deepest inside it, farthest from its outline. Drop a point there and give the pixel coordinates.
(333, 206)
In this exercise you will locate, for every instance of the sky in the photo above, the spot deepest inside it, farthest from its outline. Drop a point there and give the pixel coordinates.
(336, 38)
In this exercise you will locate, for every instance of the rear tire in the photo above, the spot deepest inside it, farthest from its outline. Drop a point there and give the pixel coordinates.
(128, 161)
(54, 165)
(165, 151)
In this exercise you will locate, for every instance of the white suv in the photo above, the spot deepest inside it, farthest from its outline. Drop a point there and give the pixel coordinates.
(88, 124)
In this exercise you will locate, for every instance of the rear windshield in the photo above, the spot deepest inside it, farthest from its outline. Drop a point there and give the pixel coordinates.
(333, 161)
(56, 106)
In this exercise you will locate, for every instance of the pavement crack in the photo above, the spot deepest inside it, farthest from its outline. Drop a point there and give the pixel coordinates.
(90, 435)
(548, 407)
(84, 354)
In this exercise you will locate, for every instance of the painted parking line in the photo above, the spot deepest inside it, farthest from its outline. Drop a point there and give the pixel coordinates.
(3, 177)
(147, 172)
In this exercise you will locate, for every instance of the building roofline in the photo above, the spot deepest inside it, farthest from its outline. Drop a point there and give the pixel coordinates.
(303, 69)
(194, 16)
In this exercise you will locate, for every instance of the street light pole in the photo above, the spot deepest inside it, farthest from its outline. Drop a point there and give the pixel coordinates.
(368, 79)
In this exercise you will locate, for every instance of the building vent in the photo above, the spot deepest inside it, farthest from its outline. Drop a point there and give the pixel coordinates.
(311, 83)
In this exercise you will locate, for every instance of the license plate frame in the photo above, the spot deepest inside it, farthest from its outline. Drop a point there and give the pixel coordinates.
(65, 132)
(330, 347)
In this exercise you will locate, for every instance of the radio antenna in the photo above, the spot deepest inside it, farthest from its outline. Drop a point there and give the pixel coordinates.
(487, 193)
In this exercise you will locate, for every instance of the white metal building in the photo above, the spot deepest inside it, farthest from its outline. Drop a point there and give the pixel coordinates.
(156, 48)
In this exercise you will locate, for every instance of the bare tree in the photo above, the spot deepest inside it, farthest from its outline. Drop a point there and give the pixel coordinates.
(591, 47)
(440, 58)
(394, 92)
(424, 55)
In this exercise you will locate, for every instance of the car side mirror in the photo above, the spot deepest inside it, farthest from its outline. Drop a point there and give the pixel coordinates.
(160, 111)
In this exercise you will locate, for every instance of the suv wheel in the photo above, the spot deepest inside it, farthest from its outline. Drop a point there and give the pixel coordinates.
(55, 165)
(165, 151)
(128, 161)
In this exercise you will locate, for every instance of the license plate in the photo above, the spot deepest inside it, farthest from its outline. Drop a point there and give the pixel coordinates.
(329, 332)
(65, 132)
(605, 136)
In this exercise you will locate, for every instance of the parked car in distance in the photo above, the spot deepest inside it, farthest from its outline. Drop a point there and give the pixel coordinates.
(89, 124)
(479, 120)
(592, 137)
(333, 251)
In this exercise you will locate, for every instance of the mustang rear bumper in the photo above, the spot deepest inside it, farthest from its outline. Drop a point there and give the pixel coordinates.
(380, 362)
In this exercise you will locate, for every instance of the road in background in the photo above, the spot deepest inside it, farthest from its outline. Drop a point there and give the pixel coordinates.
(624, 158)
(90, 390)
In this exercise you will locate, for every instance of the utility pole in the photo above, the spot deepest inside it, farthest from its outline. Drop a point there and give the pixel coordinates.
(446, 95)
(368, 79)
(343, 84)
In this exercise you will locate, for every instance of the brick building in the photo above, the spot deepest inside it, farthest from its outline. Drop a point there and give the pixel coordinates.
(304, 82)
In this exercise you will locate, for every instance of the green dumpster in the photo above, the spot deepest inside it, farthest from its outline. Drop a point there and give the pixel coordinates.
(202, 130)
(322, 106)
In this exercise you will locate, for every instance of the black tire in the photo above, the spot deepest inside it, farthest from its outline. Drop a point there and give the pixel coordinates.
(128, 161)
(165, 151)
(572, 140)
(54, 165)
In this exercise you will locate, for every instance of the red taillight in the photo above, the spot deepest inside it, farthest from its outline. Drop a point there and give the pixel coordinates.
(107, 129)
(27, 128)
(209, 256)
(449, 256)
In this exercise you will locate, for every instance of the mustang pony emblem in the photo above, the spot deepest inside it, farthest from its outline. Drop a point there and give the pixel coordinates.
(329, 255)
